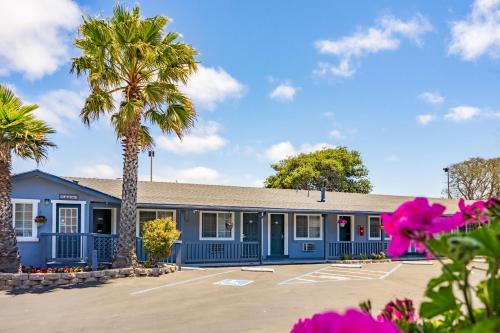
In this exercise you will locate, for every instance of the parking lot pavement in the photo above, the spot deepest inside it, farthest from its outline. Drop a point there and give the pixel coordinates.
(213, 300)
(339, 273)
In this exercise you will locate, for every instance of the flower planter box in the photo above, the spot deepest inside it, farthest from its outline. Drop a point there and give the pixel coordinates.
(9, 281)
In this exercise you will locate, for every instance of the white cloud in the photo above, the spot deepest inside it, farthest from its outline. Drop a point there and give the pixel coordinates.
(98, 171)
(393, 158)
(197, 174)
(283, 92)
(35, 34)
(328, 114)
(336, 134)
(424, 119)
(432, 97)
(286, 149)
(479, 33)
(210, 86)
(462, 113)
(60, 109)
(385, 35)
(203, 138)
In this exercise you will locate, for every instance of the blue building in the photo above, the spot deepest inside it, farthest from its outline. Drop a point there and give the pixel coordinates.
(218, 224)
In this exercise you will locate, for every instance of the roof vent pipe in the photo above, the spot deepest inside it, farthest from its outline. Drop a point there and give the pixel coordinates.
(323, 194)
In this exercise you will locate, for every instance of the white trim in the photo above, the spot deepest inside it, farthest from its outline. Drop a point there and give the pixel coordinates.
(200, 236)
(307, 238)
(379, 227)
(113, 218)
(241, 222)
(54, 218)
(338, 227)
(34, 213)
(137, 226)
(285, 231)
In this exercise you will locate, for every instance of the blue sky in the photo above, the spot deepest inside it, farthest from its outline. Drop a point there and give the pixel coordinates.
(412, 85)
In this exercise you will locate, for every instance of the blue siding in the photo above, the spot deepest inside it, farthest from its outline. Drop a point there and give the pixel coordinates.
(39, 188)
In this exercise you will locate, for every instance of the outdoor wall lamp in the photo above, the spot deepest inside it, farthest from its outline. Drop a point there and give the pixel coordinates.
(46, 201)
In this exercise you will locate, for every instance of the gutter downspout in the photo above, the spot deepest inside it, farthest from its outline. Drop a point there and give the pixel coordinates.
(325, 241)
(261, 245)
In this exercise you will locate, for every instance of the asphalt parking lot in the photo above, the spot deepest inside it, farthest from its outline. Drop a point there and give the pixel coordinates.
(223, 299)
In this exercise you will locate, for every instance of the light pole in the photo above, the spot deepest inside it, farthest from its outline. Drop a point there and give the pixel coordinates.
(447, 170)
(151, 154)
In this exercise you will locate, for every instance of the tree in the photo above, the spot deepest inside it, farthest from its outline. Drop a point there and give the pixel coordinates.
(23, 135)
(475, 179)
(336, 169)
(135, 58)
(159, 236)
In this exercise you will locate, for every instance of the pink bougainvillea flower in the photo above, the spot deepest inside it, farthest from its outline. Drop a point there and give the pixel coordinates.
(398, 310)
(353, 321)
(415, 220)
(474, 212)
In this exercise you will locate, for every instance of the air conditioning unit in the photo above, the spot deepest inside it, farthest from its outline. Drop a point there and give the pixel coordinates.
(308, 247)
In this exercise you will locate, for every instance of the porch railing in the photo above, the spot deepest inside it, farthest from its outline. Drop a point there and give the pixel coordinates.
(356, 249)
(201, 252)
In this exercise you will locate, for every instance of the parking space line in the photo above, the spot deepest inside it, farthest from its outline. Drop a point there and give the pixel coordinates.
(395, 268)
(333, 274)
(173, 284)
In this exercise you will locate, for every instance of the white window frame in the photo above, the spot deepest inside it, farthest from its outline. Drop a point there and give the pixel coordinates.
(137, 224)
(353, 222)
(217, 225)
(307, 238)
(34, 226)
(379, 225)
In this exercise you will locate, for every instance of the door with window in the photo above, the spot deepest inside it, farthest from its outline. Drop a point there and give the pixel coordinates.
(68, 224)
(277, 234)
(345, 228)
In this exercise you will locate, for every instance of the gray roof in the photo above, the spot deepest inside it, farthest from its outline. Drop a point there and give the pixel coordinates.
(198, 195)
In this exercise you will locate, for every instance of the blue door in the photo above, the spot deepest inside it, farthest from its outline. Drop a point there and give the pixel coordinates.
(277, 235)
(69, 225)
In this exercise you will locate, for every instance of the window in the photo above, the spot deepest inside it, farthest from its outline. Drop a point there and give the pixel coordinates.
(23, 219)
(216, 225)
(146, 215)
(68, 220)
(308, 227)
(374, 228)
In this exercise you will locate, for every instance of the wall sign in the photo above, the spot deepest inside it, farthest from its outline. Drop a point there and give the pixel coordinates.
(68, 196)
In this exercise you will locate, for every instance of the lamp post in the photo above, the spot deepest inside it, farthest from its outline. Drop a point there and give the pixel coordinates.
(447, 170)
(151, 154)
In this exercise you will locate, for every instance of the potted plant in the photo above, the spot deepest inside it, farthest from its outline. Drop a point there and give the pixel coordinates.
(40, 219)
(342, 222)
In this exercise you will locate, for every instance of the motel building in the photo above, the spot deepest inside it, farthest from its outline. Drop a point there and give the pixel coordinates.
(71, 220)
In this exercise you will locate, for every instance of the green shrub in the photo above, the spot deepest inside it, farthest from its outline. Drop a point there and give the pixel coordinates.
(346, 257)
(158, 237)
(363, 256)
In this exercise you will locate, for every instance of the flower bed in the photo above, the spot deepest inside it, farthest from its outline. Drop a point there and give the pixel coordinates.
(359, 261)
(9, 281)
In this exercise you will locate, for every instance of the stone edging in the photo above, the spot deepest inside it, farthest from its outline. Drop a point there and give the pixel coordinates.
(367, 261)
(9, 281)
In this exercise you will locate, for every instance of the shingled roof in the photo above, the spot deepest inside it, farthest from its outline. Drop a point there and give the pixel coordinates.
(198, 195)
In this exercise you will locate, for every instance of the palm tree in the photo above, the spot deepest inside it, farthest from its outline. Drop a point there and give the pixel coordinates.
(26, 137)
(135, 58)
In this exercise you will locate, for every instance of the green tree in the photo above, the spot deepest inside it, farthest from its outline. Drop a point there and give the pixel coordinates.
(336, 169)
(135, 58)
(23, 135)
(475, 179)
(159, 236)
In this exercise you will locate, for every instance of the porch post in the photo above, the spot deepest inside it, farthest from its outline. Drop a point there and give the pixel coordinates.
(261, 242)
(325, 233)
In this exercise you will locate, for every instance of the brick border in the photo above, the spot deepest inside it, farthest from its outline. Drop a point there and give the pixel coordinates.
(10, 281)
(356, 261)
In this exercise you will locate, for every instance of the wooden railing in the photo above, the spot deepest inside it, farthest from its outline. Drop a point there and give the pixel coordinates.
(356, 249)
(201, 252)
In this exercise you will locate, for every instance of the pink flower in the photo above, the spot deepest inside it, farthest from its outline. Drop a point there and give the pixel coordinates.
(399, 310)
(416, 221)
(353, 321)
(472, 213)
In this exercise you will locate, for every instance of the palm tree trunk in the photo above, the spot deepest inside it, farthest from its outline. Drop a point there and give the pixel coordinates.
(126, 253)
(9, 253)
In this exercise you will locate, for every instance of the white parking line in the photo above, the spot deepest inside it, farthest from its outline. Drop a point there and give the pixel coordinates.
(337, 274)
(173, 284)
